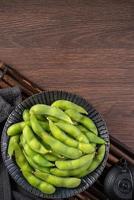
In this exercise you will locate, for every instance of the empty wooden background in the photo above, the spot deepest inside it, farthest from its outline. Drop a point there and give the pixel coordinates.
(82, 46)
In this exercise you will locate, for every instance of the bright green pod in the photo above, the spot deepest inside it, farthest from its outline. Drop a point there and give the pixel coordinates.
(21, 160)
(43, 109)
(74, 172)
(58, 147)
(37, 183)
(65, 105)
(12, 144)
(51, 157)
(84, 120)
(32, 141)
(17, 128)
(26, 115)
(74, 164)
(35, 165)
(96, 161)
(58, 181)
(61, 136)
(73, 131)
(91, 136)
(37, 158)
(86, 148)
(27, 173)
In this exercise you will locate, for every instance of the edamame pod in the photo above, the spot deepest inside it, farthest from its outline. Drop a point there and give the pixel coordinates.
(58, 181)
(37, 183)
(21, 160)
(74, 164)
(96, 161)
(61, 136)
(12, 144)
(51, 157)
(73, 172)
(60, 148)
(72, 131)
(50, 111)
(91, 136)
(34, 165)
(27, 173)
(86, 121)
(17, 128)
(86, 148)
(26, 115)
(57, 146)
(37, 158)
(60, 172)
(64, 105)
(32, 141)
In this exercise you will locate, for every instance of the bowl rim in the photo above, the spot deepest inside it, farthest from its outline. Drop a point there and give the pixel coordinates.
(97, 172)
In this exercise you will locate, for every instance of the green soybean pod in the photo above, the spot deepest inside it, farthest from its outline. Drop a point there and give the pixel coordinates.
(91, 136)
(43, 109)
(37, 158)
(86, 121)
(51, 157)
(73, 172)
(26, 115)
(57, 146)
(12, 144)
(61, 157)
(65, 105)
(32, 141)
(73, 164)
(37, 183)
(73, 131)
(86, 148)
(34, 165)
(17, 128)
(27, 173)
(61, 148)
(61, 136)
(96, 161)
(58, 181)
(60, 172)
(57, 133)
(21, 160)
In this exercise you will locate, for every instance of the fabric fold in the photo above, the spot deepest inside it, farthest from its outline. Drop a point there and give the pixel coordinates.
(9, 190)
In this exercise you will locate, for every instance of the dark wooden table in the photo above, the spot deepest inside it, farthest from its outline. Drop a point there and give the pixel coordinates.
(82, 46)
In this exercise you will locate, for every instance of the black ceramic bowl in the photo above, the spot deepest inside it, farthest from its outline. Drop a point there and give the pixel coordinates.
(48, 98)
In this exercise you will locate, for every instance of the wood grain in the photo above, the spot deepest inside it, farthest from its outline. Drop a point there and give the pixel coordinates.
(86, 47)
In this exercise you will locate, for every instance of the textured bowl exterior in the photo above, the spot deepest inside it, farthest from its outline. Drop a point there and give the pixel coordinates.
(48, 98)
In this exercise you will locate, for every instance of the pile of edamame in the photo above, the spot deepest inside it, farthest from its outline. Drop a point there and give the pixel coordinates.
(55, 146)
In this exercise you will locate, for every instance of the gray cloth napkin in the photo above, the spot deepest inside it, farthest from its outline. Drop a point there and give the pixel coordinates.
(9, 190)
(9, 98)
